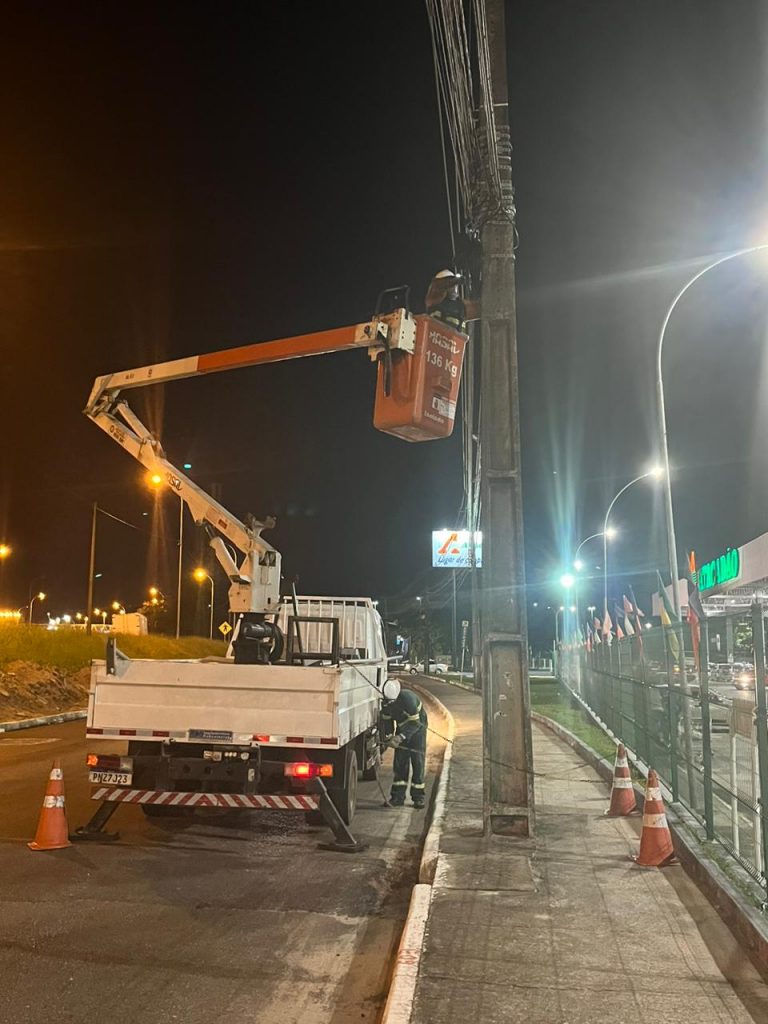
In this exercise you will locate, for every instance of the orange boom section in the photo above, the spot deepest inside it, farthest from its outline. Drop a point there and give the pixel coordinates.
(424, 387)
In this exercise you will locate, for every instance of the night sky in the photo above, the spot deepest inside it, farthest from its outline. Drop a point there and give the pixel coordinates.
(177, 178)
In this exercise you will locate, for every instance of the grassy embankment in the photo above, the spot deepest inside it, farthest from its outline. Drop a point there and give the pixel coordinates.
(71, 650)
(551, 699)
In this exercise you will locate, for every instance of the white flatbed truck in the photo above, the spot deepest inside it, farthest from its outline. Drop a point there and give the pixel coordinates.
(290, 717)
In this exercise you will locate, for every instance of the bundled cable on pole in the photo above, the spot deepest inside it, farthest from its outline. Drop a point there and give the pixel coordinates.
(463, 76)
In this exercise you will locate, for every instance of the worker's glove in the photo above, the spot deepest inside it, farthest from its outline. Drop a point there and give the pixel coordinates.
(394, 741)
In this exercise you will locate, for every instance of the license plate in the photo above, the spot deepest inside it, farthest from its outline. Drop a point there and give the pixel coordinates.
(111, 778)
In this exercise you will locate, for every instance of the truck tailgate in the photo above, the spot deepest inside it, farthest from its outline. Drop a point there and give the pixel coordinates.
(199, 700)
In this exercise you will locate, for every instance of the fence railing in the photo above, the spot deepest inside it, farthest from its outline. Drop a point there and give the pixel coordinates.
(695, 713)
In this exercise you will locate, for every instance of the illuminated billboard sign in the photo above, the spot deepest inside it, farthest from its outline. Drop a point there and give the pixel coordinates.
(451, 549)
(723, 569)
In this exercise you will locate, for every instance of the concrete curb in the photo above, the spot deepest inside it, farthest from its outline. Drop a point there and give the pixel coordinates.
(405, 973)
(744, 920)
(31, 723)
(431, 846)
(399, 1003)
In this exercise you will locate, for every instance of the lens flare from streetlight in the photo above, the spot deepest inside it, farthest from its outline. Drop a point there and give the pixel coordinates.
(5, 550)
(611, 532)
(657, 471)
(567, 580)
(578, 565)
(154, 480)
(200, 575)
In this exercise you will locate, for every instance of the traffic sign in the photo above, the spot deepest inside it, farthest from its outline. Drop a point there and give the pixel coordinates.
(225, 628)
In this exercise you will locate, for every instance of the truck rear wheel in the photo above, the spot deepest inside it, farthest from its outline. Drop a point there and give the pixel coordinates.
(345, 797)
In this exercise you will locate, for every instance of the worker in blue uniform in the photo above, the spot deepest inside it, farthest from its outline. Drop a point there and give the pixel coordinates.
(405, 729)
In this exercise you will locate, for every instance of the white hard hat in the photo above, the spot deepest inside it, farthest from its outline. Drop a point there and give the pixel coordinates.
(391, 689)
(447, 273)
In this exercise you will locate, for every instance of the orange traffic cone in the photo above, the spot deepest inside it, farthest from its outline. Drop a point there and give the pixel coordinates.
(623, 792)
(656, 842)
(52, 832)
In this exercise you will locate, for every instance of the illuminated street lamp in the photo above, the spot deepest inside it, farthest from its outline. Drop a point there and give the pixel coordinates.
(37, 597)
(156, 481)
(201, 575)
(5, 550)
(656, 472)
(103, 614)
(117, 607)
(662, 421)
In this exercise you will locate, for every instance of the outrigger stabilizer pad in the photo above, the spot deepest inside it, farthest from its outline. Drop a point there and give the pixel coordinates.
(92, 831)
(344, 841)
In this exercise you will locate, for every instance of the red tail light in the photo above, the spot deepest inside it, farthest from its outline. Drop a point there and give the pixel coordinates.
(308, 770)
(109, 762)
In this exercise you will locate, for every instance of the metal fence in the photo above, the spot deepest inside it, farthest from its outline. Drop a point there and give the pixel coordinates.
(698, 719)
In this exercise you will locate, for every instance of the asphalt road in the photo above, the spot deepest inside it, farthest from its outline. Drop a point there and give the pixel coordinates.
(196, 920)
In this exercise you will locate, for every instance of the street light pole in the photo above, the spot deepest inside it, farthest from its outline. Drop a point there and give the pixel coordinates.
(91, 567)
(36, 597)
(637, 479)
(578, 567)
(200, 575)
(661, 410)
(181, 556)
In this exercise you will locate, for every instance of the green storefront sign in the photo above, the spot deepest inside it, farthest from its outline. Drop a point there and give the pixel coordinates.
(720, 570)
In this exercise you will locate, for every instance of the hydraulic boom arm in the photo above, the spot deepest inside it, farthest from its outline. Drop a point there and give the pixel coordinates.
(255, 581)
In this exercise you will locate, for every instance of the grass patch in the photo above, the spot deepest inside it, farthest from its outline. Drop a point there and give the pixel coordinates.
(553, 700)
(70, 650)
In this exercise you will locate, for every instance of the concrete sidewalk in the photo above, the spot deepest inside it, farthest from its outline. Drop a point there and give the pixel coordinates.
(565, 928)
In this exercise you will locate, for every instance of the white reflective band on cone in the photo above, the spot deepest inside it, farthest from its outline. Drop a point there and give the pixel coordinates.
(621, 762)
(56, 773)
(655, 821)
(622, 783)
(653, 794)
(53, 801)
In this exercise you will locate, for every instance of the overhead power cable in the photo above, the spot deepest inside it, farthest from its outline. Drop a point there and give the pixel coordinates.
(463, 77)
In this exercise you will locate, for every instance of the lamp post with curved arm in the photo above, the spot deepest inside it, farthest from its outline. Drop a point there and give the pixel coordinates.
(578, 565)
(200, 575)
(656, 472)
(668, 513)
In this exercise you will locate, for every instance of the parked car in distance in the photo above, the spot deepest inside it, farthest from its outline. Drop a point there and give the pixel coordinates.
(435, 667)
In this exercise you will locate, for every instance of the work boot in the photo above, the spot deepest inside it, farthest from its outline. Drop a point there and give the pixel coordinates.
(418, 803)
(396, 802)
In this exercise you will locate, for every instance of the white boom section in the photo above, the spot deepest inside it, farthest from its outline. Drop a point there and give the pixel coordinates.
(255, 582)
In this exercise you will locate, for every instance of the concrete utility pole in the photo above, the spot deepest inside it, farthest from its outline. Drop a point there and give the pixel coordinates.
(507, 747)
